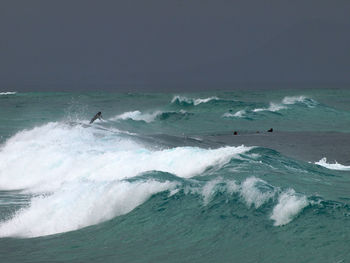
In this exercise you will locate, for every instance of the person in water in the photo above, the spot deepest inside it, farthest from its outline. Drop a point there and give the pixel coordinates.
(97, 116)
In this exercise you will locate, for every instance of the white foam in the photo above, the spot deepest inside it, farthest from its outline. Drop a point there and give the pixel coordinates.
(256, 192)
(81, 171)
(137, 116)
(289, 205)
(8, 93)
(332, 166)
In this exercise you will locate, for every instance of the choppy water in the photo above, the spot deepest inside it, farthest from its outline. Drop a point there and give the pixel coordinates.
(147, 185)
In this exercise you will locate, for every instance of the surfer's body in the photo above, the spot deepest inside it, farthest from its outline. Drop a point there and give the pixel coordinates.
(97, 116)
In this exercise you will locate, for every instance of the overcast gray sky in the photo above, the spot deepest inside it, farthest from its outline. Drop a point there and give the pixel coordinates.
(179, 44)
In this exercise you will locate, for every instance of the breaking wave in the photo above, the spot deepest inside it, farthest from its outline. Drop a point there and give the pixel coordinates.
(77, 175)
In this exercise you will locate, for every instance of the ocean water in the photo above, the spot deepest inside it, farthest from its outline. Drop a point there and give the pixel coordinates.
(162, 178)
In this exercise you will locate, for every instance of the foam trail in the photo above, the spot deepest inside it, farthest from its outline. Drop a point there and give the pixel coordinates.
(289, 205)
(332, 166)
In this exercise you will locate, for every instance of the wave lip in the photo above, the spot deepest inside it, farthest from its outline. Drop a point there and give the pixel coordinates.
(332, 166)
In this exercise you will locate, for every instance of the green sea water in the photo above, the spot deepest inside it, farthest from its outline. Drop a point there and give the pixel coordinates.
(148, 183)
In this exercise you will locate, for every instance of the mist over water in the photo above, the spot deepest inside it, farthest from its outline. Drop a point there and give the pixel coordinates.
(163, 174)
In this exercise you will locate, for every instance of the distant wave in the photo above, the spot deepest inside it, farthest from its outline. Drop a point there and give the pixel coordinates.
(299, 99)
(137, 116)
(332, 166)
(289, 101)
(181, 100)
(276, 107)
(8, 93)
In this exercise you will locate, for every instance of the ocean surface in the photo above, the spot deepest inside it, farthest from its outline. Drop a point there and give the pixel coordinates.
(163, 178)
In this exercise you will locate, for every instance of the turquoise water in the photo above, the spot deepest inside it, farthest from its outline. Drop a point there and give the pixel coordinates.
(145, 184)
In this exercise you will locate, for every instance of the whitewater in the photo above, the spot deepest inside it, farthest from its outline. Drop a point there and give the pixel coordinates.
(163, 178)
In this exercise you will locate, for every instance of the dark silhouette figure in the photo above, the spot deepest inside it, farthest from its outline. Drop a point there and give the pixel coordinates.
(97, 116)
(270, 130)
(235, 133)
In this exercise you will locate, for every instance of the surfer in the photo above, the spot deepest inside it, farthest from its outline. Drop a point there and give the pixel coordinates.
(97, 116)
(270, 130)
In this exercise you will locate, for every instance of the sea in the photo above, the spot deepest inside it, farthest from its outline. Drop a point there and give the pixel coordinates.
(175, 177)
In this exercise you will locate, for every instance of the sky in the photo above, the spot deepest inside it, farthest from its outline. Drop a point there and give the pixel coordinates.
(179, 44)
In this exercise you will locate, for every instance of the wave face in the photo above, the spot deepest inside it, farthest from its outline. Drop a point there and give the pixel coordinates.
(162, 177)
